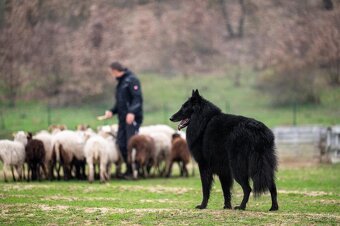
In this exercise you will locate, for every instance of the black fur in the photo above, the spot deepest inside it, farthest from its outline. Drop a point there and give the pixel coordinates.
(230, 146)
(35, 155)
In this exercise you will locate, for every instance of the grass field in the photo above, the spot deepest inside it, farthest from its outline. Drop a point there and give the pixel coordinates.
(307, 196)
(164, 95)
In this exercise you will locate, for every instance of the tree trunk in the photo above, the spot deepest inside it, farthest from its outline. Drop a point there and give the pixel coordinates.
(241, 19)
(226, 18)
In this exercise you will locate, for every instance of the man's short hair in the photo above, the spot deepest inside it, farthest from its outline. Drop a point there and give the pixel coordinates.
(117, 66)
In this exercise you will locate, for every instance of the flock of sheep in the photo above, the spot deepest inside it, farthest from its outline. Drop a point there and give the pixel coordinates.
(151, 152)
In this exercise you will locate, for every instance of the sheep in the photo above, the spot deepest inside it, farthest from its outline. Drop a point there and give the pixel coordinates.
(141, 154)
(162, 151)
(162, 137)
(165, 129)
(46, 138)
(58, 128)
(67, 150)
(35, 156)
(108, 129)
(82, 127)
(179, 153)
(103, 151)
(12, 153)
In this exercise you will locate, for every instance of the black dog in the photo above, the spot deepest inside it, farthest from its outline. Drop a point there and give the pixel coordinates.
(233, 147)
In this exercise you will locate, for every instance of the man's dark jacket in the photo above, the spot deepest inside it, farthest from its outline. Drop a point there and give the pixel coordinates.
(129, 98)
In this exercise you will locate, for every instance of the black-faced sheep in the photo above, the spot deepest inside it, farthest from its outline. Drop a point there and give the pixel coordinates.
(46, 138)
(35, 156)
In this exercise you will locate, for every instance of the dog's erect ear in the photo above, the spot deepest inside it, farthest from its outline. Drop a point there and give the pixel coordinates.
(196, 95)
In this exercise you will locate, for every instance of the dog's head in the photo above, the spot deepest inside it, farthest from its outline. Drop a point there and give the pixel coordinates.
(187, 109)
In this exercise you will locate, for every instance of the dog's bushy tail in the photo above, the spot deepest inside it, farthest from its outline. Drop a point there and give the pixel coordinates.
(262, 170)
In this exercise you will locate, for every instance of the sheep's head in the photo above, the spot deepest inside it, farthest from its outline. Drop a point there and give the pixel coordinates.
(175, 136)
(29, 136)
(20, 137)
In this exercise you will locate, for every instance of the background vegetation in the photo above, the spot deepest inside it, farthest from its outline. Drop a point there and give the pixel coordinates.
(164, 96)
(58, 51)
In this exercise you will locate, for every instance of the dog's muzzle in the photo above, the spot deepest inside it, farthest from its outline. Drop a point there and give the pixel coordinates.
(184, 123)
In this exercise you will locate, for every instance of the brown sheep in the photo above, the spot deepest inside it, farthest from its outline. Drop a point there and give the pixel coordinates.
(35, 156)
(141, 154)
(179, 153)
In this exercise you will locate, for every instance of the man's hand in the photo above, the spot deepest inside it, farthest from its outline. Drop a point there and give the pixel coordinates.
(130, 118)
(108, 114)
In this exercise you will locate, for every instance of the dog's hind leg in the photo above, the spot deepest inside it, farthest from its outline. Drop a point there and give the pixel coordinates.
(226, 183)
(206, 179)
(244, 182)
(273, 194)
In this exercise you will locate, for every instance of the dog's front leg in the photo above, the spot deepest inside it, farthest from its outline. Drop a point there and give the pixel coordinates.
(206, 179)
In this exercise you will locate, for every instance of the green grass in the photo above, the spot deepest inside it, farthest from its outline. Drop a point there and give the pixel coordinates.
(164, 95)
(307, 196)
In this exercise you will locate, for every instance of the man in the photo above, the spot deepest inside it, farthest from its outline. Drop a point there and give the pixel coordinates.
(128, 107)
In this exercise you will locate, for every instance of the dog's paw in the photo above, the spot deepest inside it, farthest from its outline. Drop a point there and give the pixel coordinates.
(201, 207)
(240, 208)
(274, 208)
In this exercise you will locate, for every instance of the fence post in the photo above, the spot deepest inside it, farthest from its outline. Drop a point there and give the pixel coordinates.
(294, 112)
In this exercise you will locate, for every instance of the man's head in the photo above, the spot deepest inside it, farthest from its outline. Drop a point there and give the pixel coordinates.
(117, 69)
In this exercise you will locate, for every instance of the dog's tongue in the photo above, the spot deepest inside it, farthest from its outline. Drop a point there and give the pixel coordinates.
(182, 124)
(179, 127)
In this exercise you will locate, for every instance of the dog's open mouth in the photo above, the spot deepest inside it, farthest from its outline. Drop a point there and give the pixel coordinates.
(184, 123)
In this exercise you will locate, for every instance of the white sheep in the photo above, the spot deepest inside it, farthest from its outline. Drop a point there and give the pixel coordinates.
(108, 129)
(162, 136)
(45, 137)
(69, 145)
(12, 154)
(103, 151)
(159, 128)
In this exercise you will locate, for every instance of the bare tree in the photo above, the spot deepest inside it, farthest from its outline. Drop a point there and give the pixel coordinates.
(223, 5)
